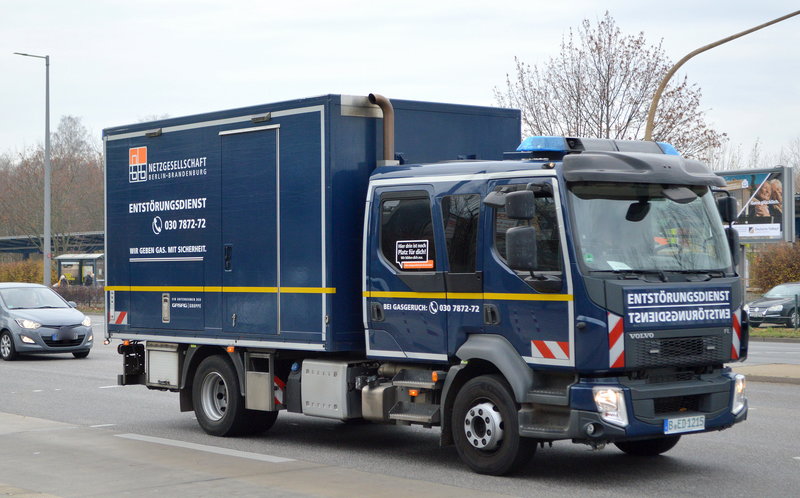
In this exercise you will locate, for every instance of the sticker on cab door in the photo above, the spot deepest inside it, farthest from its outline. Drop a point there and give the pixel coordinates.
(413, 255)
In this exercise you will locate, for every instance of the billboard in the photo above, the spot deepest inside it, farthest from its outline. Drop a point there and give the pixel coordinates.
(765, 213)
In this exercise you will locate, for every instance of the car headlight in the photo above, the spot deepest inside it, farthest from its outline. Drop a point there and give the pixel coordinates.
(27, 340)
(27, 324)
(87, 322)
(746, 307)
(739, 398)
(610, 403)
(777, 307)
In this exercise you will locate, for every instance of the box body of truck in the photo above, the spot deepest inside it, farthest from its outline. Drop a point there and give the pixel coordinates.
(244, 227)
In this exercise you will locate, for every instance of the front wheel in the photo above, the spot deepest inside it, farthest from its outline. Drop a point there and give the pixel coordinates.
(648, 447)
(486, 429)
(7, 350)
(219, 404)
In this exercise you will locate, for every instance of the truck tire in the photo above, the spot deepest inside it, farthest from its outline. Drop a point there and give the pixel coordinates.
(648, 447)
(485, 427)
(219, 404)
(7, 349)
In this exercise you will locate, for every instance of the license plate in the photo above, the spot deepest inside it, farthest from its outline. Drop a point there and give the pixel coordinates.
(756, 313)
(684, 424)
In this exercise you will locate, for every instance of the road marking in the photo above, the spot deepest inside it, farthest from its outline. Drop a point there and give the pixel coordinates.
(37, 390)
(205, 448)
(109, 387)
(101, 425)
(796, 458)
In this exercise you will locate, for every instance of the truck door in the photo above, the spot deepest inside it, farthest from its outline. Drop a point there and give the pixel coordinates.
(460, 215)
(405, 284)
(533, 310)
(249, 232)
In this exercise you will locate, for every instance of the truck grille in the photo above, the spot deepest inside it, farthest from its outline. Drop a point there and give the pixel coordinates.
(676, 352)
(676, 404)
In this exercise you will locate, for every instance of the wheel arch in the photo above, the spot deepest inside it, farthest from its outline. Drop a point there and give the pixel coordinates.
(483, 354)
(195, 356)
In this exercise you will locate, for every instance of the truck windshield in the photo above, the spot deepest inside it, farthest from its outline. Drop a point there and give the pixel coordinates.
(647, 227)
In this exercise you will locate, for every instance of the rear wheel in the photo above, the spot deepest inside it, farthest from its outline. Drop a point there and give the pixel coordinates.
(792, 322)
(7, 350)
(649, 447)
(219, 404)
(486, 429)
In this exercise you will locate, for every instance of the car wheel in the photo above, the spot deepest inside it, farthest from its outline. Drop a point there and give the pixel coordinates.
(792, 322)
(80, 354)
(755, 324)
(486, 429)
(648, 447)
(219, 404)
(7, 350)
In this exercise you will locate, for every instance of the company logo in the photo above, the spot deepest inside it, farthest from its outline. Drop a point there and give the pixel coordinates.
(642, 335)
(137, 164)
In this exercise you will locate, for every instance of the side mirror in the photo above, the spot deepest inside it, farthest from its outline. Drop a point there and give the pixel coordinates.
(728, 208)
(72, 304)
(521, 248)
(733, 244)
(520, 205)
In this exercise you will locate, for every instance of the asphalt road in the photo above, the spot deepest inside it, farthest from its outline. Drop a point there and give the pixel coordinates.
(758, 457)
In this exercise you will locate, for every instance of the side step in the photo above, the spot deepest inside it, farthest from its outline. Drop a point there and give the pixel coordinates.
(419, 413)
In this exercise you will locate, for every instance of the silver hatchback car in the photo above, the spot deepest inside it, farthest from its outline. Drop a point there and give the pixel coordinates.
(34, 319)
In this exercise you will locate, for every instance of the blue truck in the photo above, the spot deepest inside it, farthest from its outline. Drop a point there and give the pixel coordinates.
(358, 258)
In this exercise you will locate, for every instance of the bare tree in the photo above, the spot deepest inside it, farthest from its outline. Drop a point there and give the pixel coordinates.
(77, 193)
(600, 85)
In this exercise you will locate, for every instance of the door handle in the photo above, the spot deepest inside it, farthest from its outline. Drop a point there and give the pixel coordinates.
(491, 316)
(376, 312)
(227, 254)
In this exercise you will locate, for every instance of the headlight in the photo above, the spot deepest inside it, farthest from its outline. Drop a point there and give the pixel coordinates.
(27, 324)
(746, 307)
(777, 307)
(87, 322)
(26, 339)
(610, 403)
(739, 398)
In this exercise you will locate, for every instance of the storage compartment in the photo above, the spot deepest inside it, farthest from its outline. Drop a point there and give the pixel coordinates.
(163, 365)
(328, 389)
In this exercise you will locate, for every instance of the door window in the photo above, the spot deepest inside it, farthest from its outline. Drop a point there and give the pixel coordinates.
(407, 231)
(460, 217)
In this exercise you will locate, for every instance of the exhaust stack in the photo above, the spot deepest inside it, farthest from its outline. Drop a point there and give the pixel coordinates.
(388, 129)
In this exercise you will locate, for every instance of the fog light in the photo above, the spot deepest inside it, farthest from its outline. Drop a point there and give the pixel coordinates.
(610, 403)
(739, 398)
(26, 339)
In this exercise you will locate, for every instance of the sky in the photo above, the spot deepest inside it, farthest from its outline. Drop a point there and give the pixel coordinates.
(119, 62)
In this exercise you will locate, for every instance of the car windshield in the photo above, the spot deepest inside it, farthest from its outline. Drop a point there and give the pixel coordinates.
(648, 227)
(784, 290)
(31, 298)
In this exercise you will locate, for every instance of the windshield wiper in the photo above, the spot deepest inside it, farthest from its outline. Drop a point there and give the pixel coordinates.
(635, 274)
(46, 307)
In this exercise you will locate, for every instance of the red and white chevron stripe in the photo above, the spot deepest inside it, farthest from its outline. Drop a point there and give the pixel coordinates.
(616, 341)
(118, 318)
(736, 340)
(554, 350)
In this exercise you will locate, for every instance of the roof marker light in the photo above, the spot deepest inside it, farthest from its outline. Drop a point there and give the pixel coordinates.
(668, 149)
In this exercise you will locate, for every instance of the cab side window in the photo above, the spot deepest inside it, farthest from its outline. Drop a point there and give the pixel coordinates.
(548, 244)
(407, 231)
(460, 220)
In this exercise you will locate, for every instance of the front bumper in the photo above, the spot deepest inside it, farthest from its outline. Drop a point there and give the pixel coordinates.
(648, 406)
(69, 339)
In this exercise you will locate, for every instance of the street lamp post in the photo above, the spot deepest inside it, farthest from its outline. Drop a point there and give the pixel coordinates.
(46, 249)
(651, 114)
